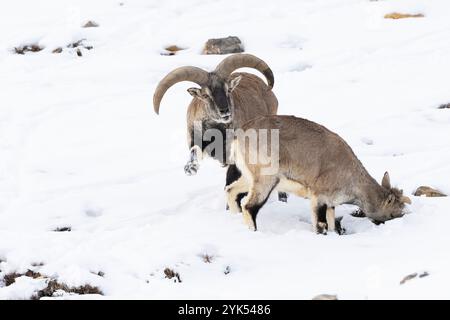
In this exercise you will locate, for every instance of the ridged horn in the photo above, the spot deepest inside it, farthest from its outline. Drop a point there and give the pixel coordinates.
(245, 60)
(194, 74)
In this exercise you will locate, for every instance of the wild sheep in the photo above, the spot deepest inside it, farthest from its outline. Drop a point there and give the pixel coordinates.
(313, 163)
(225, 100)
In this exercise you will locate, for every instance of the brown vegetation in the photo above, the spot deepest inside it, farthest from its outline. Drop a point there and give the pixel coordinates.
(171, 50)
(52, 285)
(170, 274)
(396, 15)
(28, 48)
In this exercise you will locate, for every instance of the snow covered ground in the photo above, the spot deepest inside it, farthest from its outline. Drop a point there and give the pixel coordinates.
(81, 147)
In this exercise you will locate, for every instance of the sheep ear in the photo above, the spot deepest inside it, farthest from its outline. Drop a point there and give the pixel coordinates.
(405, 199)
(386, 182)
(234, 83)
(195, 92)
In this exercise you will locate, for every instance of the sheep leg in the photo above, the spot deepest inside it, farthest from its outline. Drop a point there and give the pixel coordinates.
(331, 219)
(192, 165)
(257, 197)
(235, 192)
(318, 218)
(339, 229)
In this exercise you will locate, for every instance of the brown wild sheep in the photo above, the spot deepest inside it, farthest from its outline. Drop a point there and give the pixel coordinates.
(313, 163)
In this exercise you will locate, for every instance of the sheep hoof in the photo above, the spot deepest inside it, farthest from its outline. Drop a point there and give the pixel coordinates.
(191, 168)
(249, 221)
(338, 228)
(282, 196)
(321, 228)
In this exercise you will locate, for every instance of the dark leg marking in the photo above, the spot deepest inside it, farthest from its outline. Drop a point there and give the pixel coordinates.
(233, 174)
(358, 214)
(192, 165)
(322, 225)
(339, 229)
(254, 209)
(322, 213)
(282, 196)
(239, 198)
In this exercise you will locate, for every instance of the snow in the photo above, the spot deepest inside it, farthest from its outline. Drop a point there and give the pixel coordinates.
(81, 147)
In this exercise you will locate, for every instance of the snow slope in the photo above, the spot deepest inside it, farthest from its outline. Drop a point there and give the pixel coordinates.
(80, 146)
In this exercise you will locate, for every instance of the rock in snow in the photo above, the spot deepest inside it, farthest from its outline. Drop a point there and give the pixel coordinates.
(428, 192)
(223, 46)
(91, 24)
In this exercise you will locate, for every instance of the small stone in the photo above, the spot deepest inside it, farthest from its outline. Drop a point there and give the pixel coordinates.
(325, 297)
(414, 275)
(408, 278)
(57, 50)
(79, 44)
(19, 50)
(63, 229)
(444, 106)
(428, 192)
(75, 44)
(223, 46)
(35, 48)
(33, 274)
(91, 24)
(227, 270)
(37, 264)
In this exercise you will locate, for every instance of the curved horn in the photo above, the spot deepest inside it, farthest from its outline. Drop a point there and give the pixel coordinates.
(194, 74)
(244, 60)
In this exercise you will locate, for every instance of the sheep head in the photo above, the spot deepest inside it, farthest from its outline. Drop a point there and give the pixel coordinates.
(216, 86)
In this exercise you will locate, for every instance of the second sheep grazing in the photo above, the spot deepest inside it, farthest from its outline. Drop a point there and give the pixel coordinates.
(311, 162)
(225, 100)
